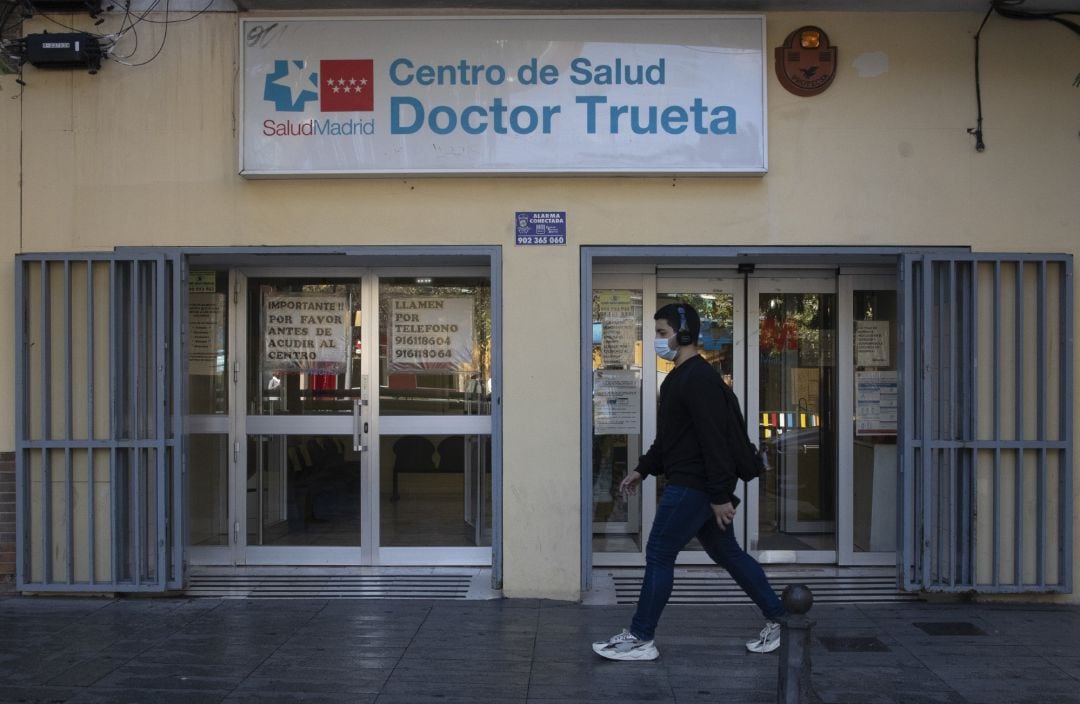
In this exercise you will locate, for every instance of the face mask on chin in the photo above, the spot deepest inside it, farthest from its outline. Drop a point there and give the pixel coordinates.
(663, 349)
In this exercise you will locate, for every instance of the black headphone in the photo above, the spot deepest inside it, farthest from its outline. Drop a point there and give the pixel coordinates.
(683, 336)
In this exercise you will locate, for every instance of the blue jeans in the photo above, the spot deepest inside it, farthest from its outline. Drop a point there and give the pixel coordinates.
(682, 514)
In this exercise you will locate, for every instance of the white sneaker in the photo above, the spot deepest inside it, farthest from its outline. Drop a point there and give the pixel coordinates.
(625, 646)
(767, 641)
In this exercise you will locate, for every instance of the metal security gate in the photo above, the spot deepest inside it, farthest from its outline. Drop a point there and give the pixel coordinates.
(986, 440)
(98, 422)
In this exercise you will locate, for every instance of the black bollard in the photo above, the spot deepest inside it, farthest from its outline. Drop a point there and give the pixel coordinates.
(794, 686)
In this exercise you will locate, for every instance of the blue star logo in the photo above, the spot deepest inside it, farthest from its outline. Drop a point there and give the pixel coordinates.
(291, 86)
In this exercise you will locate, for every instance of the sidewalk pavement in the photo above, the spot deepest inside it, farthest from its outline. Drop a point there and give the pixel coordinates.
(512, 651)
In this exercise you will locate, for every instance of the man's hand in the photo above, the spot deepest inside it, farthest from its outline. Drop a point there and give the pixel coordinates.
(725, 514)
(629, 485)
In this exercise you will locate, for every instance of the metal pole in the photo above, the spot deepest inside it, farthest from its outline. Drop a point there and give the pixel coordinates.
(794, 685)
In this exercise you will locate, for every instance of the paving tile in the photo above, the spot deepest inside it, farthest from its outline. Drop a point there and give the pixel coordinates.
(145, 696)
(942, 697)
(893, 658)
(342, 659)
(482, 690)
(546, 700)
(344, 674)
(611, 689)
(36, 695)
(257, 697)
(484, 653)
(116, 680)
(331, 650)
(886, 696)
(87, 672)
(1020, 693)
(615, 695)
(418, 665)
(299, 682)
(877, 681)
(701, 695)
(165, 650)
(36, 668)
(626, 675)
(441, 699)
(150, 668)
(993, 668)
(1070, 666)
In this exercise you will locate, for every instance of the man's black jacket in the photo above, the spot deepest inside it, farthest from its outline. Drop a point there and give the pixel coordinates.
(691, 446)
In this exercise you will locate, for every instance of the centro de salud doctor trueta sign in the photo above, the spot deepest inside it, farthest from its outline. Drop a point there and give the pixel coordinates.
(370, 97)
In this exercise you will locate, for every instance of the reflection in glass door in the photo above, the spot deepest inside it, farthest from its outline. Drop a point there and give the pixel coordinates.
(718, 304)
(869, 394)
(626, 378)
(433, 405)
(341, 417)
(806, 349)
(208, 397)
(302, 491)
(616, 382)
(795, 375)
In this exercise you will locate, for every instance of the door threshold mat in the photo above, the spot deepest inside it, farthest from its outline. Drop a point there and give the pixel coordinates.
(718, 588)
(330, 586)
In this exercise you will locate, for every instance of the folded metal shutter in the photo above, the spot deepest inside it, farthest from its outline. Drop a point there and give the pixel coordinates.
(986, 408)
(98, 423)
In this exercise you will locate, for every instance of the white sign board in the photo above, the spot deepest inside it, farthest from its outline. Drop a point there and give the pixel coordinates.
(430, 334)
(616, 402)
(872, 343)
(619, 319)
(379, 96)
(206, 334)
(876, 395)
(305, 333)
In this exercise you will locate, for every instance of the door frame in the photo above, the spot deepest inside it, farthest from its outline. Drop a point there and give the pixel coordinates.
(807, 280)
(845, 535)
(730, 282)
(647, 492)
(745, 287)
(237, 424)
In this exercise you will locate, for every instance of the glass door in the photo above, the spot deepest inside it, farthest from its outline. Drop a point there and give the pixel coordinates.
(301, 437)
(431, 395)
(802, 350)
(626, 378)
(792, 510)
(719, 303)
(340, 416)
(618, 317)
(208, 422)
(869, 395)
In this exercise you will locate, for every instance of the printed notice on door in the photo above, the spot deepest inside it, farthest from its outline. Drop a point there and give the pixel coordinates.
(871, 343)
(616, 402)
(433, 335)
(206, 334)
(876, 402)
(619, 315)
(305, 333)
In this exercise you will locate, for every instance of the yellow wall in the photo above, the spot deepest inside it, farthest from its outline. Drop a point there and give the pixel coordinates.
(10, 214)
(146, 156)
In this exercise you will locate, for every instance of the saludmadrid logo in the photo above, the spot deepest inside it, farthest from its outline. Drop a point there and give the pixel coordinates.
(339, 85)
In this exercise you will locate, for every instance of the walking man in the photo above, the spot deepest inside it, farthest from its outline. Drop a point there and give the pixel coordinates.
(692, 450)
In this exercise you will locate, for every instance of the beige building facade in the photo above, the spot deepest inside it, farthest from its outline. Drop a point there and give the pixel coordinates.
(862, 181)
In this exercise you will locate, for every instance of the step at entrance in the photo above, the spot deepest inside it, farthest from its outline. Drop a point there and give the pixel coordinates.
(337, 585)
(709, 586)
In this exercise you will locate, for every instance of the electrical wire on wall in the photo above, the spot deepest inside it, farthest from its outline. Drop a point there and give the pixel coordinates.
(1009, 9)
(132, 28)
(14, 11)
